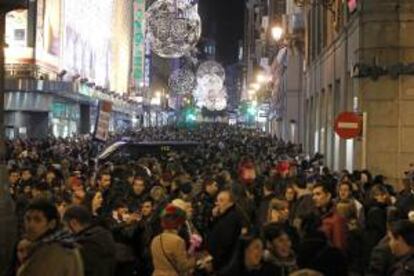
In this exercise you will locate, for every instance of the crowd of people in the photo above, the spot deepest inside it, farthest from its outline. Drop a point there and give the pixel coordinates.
(240, 203)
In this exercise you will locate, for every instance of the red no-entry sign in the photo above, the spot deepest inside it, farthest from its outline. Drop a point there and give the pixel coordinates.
(348, 125)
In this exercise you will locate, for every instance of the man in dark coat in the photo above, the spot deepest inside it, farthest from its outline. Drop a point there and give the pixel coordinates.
(224, 231)
(405, 202)
(97, 246)
(204, 204)
(381, 259)
(333, 225)
(315, 251)
(402, 246)
(53, 252)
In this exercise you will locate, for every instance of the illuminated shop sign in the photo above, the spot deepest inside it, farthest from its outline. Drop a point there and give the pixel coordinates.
(147, 65)
(139, 54)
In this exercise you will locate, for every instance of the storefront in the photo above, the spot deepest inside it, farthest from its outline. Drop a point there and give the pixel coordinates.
(64, 118)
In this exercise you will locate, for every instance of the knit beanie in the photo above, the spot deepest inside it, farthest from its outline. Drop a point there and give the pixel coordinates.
(172, 217)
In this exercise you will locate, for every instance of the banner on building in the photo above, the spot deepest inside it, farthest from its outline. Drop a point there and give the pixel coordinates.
(48, 33)
(139, 42)
(102, 121)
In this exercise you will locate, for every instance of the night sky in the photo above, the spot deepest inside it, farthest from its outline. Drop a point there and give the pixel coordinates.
(223, 21)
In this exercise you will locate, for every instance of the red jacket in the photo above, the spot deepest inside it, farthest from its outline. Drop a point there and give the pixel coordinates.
(335, 228)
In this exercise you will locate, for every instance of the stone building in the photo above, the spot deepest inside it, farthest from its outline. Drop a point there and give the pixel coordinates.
(359, 57)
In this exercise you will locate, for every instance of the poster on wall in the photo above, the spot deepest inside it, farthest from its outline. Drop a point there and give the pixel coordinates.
(102, 121)
(48, 34)
(51, 27)
(88, 50)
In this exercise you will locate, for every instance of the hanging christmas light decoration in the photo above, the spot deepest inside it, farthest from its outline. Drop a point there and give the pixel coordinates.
(214, 100)
(210, 82)
(173, 27)
(211, 68)
(182, 81)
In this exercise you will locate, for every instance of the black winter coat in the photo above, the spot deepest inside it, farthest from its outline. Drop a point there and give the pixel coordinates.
(404, 266)
(223, 236)
(266, 269)
(316, 253)
(381, 259)
(97, 248)
(375, 227)
(263, 211)
(405, 204)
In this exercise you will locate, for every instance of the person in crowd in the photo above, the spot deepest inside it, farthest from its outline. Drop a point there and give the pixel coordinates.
(94, 203)
(137, 193)
(345, 193)
(401, 242)
(224, 231)
(122, 225)
(248, 259)
(26, 179)
(204, 204)
(405, 201)
(279, 249)
(188, 231)
(142, 238)
(52, 252)
(304, 204)
(291, 196)
(355, 238)
(168, 249)
(104, 186)
(316, 252)
(97, 245)
(333, 225)
(268, 195)
(20, 255)
(226, 158)
(13, 180)
(376, 218)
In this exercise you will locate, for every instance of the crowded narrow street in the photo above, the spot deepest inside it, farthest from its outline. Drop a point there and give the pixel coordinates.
(206, 137)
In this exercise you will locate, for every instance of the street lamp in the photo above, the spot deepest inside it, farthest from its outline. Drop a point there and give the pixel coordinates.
(255, 86)
(261, 78)
(277, 33)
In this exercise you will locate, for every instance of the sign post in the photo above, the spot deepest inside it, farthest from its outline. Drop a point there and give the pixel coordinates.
(102, 122)
(348, 125)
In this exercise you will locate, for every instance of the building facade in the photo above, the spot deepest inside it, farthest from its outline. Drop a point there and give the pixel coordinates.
(280, 98)
(359, 57)
(57, 69)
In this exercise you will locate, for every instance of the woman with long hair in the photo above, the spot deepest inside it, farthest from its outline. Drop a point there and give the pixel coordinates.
(248, 259)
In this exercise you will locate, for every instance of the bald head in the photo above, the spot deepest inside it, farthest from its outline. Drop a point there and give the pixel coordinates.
(224, 201)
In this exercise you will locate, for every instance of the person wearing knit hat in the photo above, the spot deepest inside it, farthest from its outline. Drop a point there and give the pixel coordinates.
(172, 217)
(168, 249)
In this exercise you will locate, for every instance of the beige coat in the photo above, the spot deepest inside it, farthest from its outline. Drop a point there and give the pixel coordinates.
(178, 262)
(53, 260)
